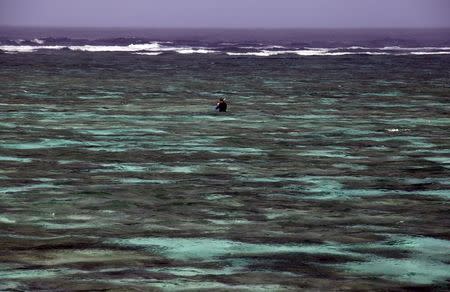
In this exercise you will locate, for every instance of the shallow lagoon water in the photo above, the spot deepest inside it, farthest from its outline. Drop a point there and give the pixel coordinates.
(326, 173)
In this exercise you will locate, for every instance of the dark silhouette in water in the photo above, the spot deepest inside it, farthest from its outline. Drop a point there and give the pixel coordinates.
(221, 105)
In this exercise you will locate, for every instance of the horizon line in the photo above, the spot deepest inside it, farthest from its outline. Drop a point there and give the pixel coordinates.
(221, 28)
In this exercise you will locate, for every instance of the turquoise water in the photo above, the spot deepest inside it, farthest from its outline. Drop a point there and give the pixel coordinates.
(326, 172)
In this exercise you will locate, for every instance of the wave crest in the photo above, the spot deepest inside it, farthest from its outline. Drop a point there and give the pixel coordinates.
(157, 48)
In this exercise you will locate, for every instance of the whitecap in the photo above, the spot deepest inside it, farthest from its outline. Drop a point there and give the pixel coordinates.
(17, 49)
(154, 46)
(194, 51)
(431, 53)
(356, 48)
(145, 47)
(28, 49)
(91, 48)
(149, 53)
(258, 54)
(38, 41)
(397, 48)
(314, 52)
(266, 53)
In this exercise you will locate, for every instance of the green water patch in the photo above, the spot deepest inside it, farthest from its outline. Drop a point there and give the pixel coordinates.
(428, 262)
(62, 256)
(186, 249)
(43, 143)
(384, 94)
(18, 274)
(212, 149)
(351, 166)
(110, 149)
(147, 167)
(181, 169)
(145, 181)
(409, 122)
(217, 197)
(428, 180)
(310, 117)
(433, 151)
(124, 167)
(30, 274)
(10, 286)
(108, 92)
(321, 187)
(191, 271)
(229, 221)
(120, 131)
(79, 217)
(97, 97)
(4, 219)
(327, 101)
(7, 125)
(444, 193)
(218, 118)
(392, 105)
(404, 270)
(349, 131)
(26, 188)
(278, 103)
(15, 159)
(330, 154)
(414, 142)
(186, 284)
(36, 95)
(65, 226)
(444, 161)
(68, 161)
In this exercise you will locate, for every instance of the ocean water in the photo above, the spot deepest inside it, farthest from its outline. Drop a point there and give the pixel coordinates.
(330, 170)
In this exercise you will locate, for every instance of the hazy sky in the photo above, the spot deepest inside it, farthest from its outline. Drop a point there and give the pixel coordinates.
(226, 13)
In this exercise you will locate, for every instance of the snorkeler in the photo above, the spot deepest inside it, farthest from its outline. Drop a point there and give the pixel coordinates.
(221, 105)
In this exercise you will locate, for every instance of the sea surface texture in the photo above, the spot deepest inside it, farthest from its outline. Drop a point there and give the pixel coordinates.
(330, 170)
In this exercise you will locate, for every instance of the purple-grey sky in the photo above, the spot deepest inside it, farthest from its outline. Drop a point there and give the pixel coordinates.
(227, 13)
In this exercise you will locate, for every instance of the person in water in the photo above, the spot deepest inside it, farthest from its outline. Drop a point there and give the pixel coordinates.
(221, 105)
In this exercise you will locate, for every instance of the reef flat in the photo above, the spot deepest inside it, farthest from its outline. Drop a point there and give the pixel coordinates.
(326, 172)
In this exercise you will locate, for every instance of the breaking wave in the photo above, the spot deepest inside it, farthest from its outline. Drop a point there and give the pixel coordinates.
(231, 49)
(149, 53)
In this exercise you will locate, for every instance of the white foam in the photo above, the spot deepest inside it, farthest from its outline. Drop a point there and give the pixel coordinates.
(258, 54)
(151, 47)
(149, 53)
(397, 48)
(154, 46)
(17, 49)
(145, 47)
(37, 41)
(28, 49)
(91, 48)
(375, 53)
(314, 52)
(328, 52)
(157, 48)
(356, 48)
(266, 53)
(262, 47)
(431, 53)
(194, 51)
